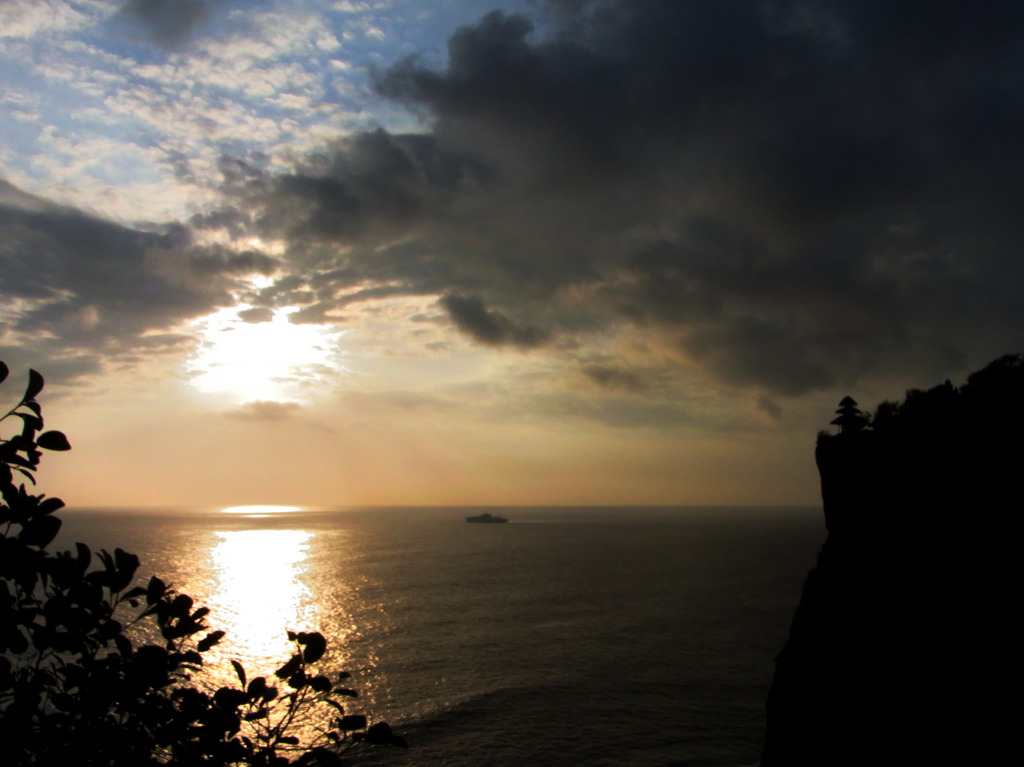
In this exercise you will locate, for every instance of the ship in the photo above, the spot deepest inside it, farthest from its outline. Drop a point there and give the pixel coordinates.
(486, 518)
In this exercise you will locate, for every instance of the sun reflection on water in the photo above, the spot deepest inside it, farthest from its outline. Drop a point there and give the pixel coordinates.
(261, 591)
(259, 510)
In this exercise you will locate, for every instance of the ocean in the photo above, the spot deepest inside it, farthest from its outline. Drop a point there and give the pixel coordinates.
(569, 636)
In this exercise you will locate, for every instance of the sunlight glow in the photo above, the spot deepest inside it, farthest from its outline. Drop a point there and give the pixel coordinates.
(260, 591)
(259, 510)
(274, 360)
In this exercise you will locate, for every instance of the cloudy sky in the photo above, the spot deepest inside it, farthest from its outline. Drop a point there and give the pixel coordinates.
(331, 252)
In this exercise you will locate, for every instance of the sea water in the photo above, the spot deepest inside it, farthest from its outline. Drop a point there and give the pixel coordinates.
(569, 636)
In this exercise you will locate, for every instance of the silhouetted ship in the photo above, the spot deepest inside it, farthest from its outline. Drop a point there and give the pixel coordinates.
(486, 518)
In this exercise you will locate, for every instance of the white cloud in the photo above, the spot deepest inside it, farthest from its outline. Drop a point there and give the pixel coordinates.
(28, 18)
(347, 6)
(136, 133)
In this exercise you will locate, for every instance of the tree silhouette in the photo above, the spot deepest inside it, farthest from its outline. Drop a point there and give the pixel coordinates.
(850, 418)
(75, 688)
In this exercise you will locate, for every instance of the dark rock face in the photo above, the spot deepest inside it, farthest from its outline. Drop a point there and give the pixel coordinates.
(900, 651)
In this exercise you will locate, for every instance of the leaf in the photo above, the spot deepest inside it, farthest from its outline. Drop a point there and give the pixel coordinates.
(134, 594)
(320, 756)
(239, 671)
(320, 684)
(209, 640)
(32, 423)
(17, 460)
(35, 385)
(335, 705)
(289, 668)
(4, 372)
(230, 698)
(126, 564)
(53, 440)
(257, 687)
(40, 531)
(315, 646)
(152, 657)
(84, 557)
(380, 734)
(124, 645)
(181, 606)
(156, 589)
(352, 722)
(50, 505)
(345, 691)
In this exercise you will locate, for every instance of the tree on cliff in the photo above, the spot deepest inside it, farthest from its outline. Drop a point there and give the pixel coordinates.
(850, 418)
(77, 689)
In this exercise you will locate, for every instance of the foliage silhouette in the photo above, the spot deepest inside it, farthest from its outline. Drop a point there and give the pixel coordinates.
(75, 688)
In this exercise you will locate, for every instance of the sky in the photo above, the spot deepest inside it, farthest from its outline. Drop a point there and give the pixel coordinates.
(495, 252)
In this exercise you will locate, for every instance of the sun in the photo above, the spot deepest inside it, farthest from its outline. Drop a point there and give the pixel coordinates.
(273, 359)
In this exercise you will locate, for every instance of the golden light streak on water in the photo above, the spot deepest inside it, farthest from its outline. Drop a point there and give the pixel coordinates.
(261, 592)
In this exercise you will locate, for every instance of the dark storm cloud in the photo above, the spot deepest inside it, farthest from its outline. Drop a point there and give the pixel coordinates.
(769, 407)
(256, 315)
(489, 327)
(791, 193)
(619, 412)
(77, 288)
(614, 378)
(170, 23)
(216, 261)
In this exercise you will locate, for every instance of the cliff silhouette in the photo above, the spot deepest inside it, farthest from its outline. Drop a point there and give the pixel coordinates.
(899, 651)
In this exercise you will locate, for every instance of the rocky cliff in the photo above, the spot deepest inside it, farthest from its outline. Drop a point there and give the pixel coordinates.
(900, 650)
